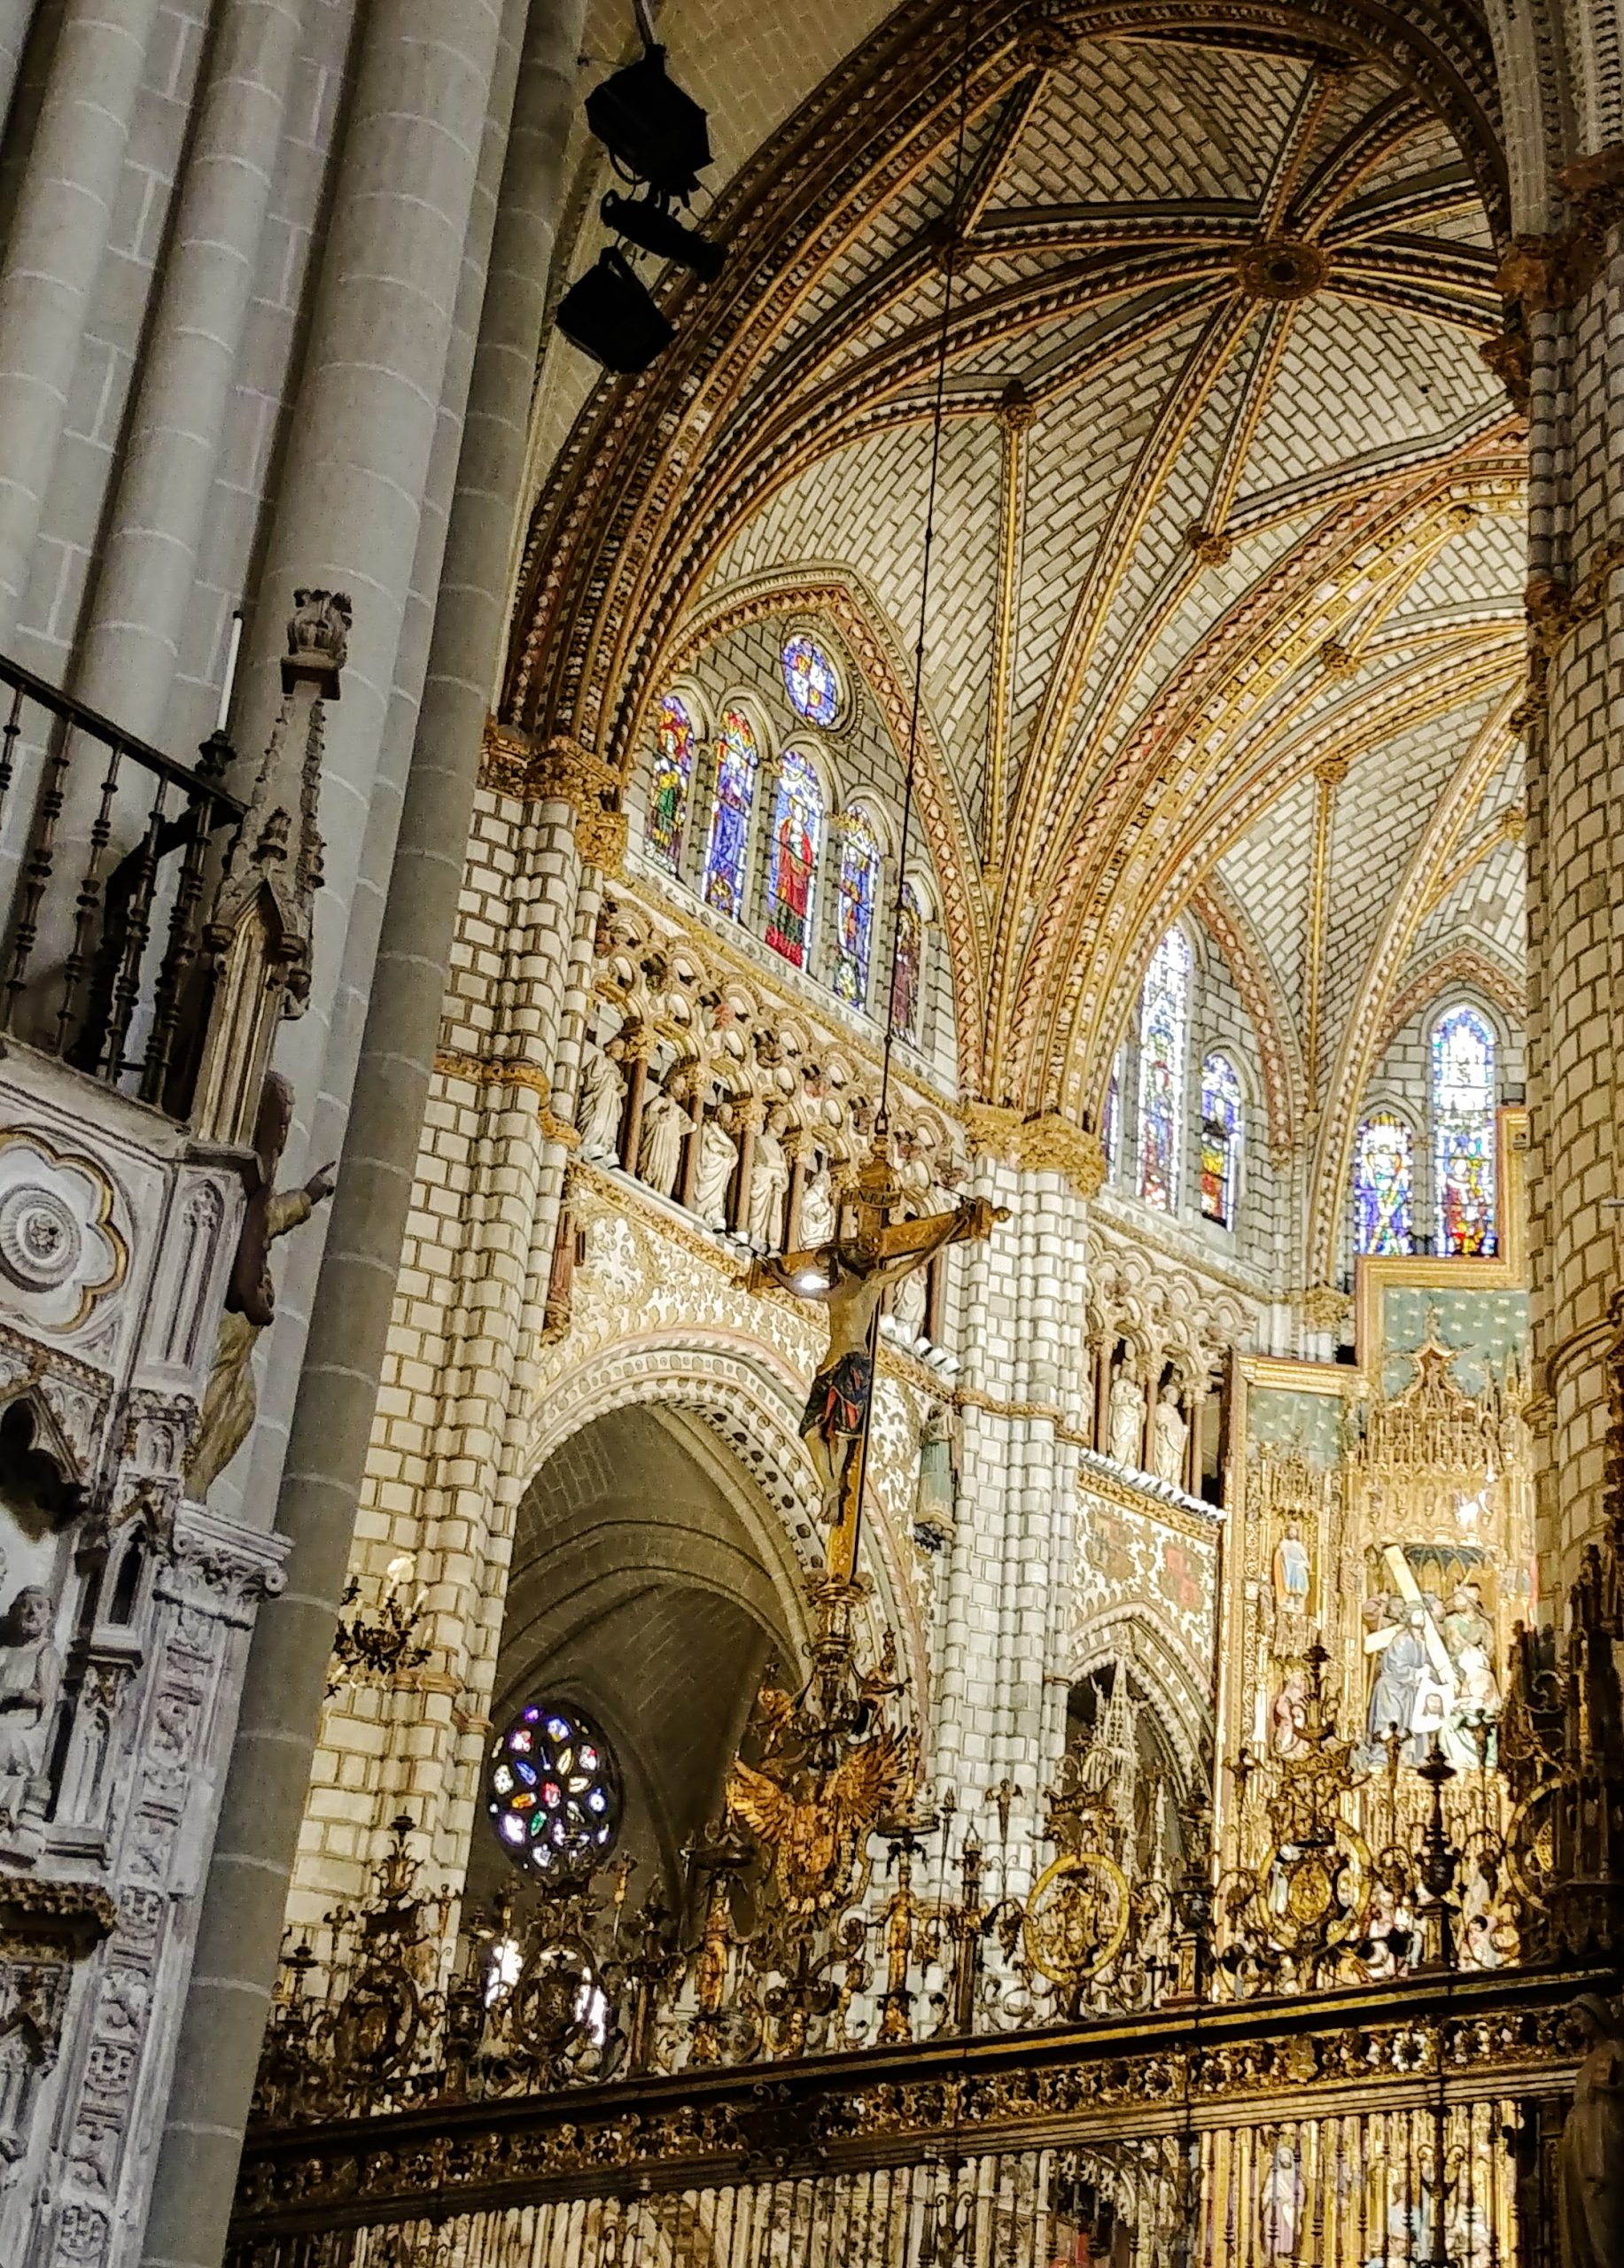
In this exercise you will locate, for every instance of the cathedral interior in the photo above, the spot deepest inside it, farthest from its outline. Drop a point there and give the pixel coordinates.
(812, 1157)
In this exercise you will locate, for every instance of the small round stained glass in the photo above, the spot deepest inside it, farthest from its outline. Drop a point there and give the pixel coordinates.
(552, 1792)
(811, 680)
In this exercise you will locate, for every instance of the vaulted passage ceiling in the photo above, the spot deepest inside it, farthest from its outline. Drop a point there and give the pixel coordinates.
(1225, 604)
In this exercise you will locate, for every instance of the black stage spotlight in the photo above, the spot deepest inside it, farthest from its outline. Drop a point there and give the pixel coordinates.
(645, 222)
(607, 314)
(650, 127)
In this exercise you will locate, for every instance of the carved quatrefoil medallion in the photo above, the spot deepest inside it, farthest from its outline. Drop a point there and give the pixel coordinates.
(58, 1249)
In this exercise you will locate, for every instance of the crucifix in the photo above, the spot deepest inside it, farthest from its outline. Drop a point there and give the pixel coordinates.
(850, 1275)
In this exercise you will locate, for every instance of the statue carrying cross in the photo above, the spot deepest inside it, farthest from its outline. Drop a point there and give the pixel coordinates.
(850, 1275)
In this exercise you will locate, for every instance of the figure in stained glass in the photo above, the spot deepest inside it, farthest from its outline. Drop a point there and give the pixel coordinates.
(668, 786)
(909, 952)
(726, 859)
(811, 680)
(1221, 1114)
(859, 875)
(1464, 1133)
(1164, 1012)
(798, 819)
(1382, 1185)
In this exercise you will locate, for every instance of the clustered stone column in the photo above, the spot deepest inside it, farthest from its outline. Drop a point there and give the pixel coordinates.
(367, 501)
(1002, 1710)
(1568, 290)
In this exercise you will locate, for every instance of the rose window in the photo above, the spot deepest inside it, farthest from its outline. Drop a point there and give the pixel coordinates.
(552, 1792)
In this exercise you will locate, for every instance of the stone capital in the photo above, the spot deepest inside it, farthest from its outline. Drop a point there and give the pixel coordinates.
(1046, 1142)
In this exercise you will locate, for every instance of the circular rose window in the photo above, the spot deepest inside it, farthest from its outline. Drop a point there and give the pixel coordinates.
(552, 1792)
(810, 680)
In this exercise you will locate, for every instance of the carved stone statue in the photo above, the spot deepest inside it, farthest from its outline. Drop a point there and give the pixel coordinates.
(936, 1502)
(659, 1149)
(719, 1158)
(817, 1206)
(601, 1101)
(1590, 2159)
(1172, 1434)
(769, 1184)
(30, 1679)
(1127, 1420)
(229, 1401)
(909, 1302)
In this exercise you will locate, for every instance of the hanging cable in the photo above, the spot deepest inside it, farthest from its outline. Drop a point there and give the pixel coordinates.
(937, 421)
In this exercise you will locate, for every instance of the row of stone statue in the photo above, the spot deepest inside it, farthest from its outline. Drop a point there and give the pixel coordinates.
(1146, 1436)
(766, 1168)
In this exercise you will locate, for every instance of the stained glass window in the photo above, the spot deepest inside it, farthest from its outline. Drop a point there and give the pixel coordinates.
(909, 952)
(1464, 1132)
(810, 680)
(797, 818)
(1164, 1009)
(1221, 1123)
(552, 1792)
(854, 916)
(668, 784)
(1382, 1184)
(726, 860)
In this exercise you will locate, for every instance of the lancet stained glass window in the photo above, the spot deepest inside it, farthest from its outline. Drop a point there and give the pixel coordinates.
(797, 819)
(1464, 1133)
(1114, 1114)
(909, 952)
(1164, 1014)
(1383, 1184)
(810, 680)
(726, 859)
(854, 916)
(668, 785)
(552, 1792)
(1221, 1126)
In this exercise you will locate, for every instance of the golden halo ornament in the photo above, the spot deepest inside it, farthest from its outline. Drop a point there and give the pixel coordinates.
(1076, 1917)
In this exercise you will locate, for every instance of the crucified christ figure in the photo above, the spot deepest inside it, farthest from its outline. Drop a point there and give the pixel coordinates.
(850, 1277)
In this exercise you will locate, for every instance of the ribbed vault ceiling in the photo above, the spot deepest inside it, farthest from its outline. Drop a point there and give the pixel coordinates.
(1217, 312)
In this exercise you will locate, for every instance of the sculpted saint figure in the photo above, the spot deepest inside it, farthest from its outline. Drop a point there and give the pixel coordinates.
(717, 1159)
(659, 1149)
(1127, 1421)
(1172, 1434)
(30, 1679)
(602, 1100)
(817, 1206)
(1590, 2159)
(229, 1401)
(769, 1184)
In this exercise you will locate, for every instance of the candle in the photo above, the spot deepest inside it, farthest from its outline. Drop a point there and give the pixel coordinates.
(225, 689)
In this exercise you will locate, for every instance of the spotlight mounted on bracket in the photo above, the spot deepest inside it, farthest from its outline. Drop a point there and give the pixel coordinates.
(656, 136)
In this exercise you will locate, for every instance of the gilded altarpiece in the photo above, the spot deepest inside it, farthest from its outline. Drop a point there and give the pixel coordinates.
(1384, 1511)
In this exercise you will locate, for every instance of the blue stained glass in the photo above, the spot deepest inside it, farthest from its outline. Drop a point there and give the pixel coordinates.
(726, 859)
(1220, 1121)
(668, 783)
(810, 680)
(1164, 1011)
(549, 1816)
(909, 952)
(798, 819)
(1383, 1185)
(1464, 1133)
(859, 875)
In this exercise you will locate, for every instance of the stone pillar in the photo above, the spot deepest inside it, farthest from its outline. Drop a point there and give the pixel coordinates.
(190, 371)
(1006, 1612)
(403, 252)
(53, 257)
(1569, 289)
(16, 15)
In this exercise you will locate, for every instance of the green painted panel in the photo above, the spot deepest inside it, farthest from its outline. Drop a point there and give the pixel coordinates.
(1489, 1329)
(1288, 1419)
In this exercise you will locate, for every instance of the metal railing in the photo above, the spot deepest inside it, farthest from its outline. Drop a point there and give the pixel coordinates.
(106, 844)
(1415, 2124)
